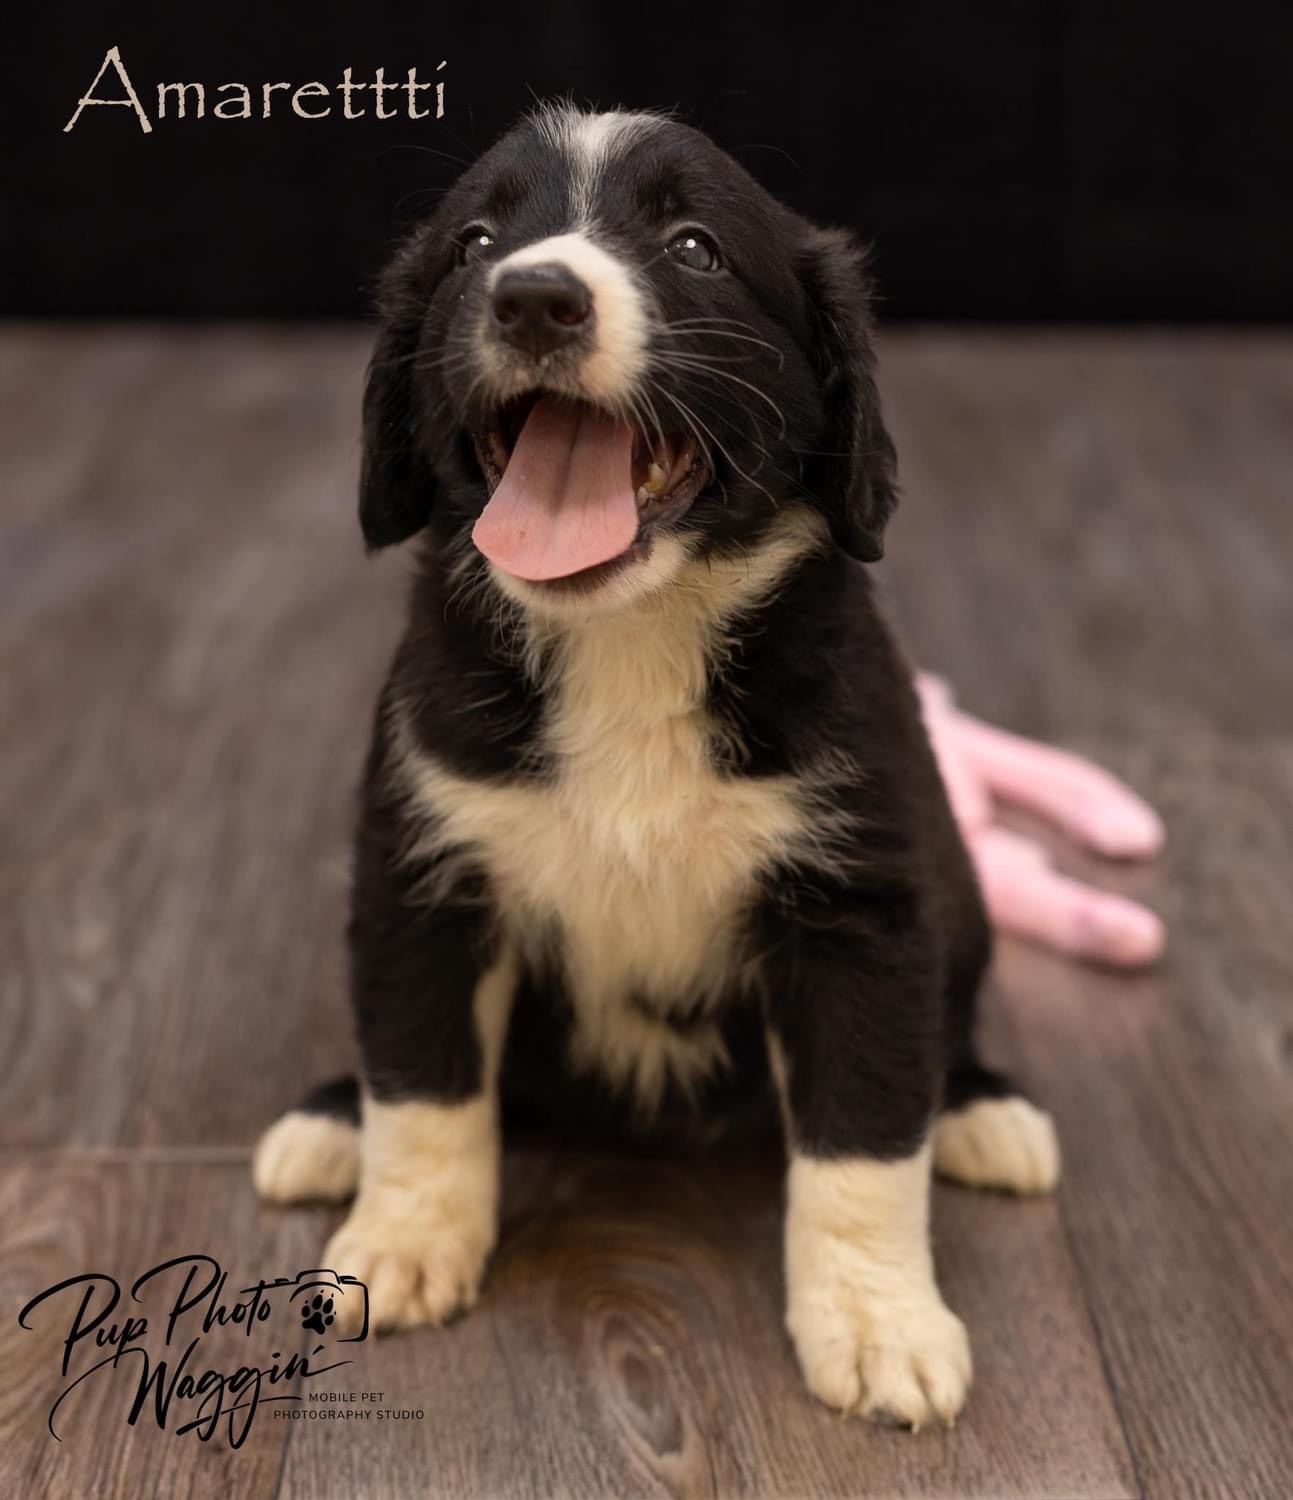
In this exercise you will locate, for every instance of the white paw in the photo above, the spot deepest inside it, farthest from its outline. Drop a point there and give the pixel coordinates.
(862, 1305)
(908, 1364)
(307, 1156)
(417, 1269)
(998, 1143)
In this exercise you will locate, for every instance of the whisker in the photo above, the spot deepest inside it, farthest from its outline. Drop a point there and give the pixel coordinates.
(669, 331)
(699, 366)
(693, 421)
(721, 333)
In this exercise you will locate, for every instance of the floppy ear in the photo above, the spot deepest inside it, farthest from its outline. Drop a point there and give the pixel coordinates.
(396, 483)
(855, 474)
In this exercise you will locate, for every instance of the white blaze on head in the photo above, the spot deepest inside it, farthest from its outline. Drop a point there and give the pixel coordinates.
(612, 367)
(616, 356)
(590, 142)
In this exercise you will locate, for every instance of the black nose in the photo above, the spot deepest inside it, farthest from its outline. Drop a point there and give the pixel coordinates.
(539, 308)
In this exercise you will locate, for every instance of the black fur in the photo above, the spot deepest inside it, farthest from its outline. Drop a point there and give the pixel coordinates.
(868, 977)
(338, 1099)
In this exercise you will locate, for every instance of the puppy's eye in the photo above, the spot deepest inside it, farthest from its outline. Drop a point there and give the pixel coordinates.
(694, 249)
(473, 242)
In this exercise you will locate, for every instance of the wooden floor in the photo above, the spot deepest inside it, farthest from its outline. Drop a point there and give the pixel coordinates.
(1096, 545)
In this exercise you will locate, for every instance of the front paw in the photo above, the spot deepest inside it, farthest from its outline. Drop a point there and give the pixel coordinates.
(906, 1360)
(417, 1268)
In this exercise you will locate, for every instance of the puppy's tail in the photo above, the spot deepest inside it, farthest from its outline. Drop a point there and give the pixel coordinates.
(312, 1152)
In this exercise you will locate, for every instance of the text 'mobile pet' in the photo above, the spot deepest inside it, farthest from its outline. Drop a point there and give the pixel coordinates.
(650, 821)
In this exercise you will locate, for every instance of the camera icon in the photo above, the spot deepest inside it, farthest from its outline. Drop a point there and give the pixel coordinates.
(329, 1304)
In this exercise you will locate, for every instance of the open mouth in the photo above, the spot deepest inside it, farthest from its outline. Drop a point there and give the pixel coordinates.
(575, 493)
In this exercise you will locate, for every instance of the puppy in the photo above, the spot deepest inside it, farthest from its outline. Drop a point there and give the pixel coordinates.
(650, 818)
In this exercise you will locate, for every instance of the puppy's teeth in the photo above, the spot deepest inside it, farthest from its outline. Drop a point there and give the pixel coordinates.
(644, 494)
(655, 479)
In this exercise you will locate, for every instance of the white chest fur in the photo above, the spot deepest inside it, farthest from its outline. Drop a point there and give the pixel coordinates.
(636, 860)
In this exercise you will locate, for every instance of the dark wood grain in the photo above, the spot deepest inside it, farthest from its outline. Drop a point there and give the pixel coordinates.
(120, 1215)
(1098, 548)
(1175, 1096)
(1097, 532)
(629, 1342)
(1096, 544)
(192, 644)
(1109, 561)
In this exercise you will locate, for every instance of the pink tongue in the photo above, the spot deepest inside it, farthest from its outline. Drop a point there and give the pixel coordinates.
(565, 502)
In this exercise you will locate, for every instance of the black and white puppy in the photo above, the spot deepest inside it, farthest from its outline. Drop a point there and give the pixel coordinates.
(650, 816)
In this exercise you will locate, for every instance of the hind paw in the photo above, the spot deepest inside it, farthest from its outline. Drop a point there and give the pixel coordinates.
(305, 1157)
(1008, 1144)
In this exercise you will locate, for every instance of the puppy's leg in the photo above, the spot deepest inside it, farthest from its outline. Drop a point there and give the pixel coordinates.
(863, 1309)
(854, 1033)
(426, 1216)
(433, 986)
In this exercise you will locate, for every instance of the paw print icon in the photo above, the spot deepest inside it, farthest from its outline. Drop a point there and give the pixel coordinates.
(317, 1313)
(330, 1304)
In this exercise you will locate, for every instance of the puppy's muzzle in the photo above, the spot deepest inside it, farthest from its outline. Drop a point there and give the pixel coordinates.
(539, 309)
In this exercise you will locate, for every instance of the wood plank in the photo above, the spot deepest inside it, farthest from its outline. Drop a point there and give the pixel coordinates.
(1096, 532)
(629, 1342)
(120, 1216)
(1174, 1093)
(194, 646)
(1096, 545)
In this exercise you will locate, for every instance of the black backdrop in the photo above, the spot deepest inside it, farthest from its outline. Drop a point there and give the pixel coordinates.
(1011, 161)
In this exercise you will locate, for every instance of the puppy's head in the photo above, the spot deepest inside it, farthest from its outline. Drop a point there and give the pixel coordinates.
(609, 350)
